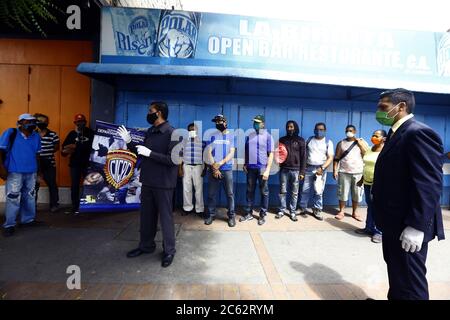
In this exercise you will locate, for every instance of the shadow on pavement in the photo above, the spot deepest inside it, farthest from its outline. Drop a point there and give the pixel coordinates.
(317, 271)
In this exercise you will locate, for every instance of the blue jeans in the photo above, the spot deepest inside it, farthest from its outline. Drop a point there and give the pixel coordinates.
(308, 188)
(213, 188)
(20, 198)
(254, 175)
(288, 178)
(370, 221)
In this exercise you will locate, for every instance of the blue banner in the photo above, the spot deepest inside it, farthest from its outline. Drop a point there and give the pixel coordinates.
(220, 44)
(112, 182)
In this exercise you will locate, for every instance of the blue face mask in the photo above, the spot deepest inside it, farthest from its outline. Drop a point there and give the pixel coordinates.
(256, 126)
(319, 133)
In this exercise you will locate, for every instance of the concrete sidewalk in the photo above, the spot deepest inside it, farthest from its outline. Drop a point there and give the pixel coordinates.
(308, 259)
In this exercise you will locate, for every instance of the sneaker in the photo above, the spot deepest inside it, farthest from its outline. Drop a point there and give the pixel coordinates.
(247, 217)
(33, 223)
(231, 222)
(261, 221)
(302, 212)
(54, 209)
(209, 220)
(318, 214)
(279, 215)
(8, 232)
(185, 213)
(377, 238)
(293, 217)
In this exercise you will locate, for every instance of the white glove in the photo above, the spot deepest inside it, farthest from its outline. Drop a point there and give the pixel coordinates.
(143, 151)
(412, 239)
(124, 134)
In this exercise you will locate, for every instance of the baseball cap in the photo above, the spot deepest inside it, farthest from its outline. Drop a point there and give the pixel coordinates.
(219, 117)
(26, 116)
(259, 118)
(79, 117)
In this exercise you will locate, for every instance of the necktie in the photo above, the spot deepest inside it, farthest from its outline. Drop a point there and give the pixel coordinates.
(390, 133)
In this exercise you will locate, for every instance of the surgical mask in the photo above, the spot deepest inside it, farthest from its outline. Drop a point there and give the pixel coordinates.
(151, 117)
(384, 118)
(350, 134)
(319, 133)
(290, 132)
(30, 127)
(42, 125)
(376, 140)
(256, 126)
(220, 126)
(192, 134)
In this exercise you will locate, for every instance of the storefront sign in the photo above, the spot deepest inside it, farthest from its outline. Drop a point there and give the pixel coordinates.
(276, 49)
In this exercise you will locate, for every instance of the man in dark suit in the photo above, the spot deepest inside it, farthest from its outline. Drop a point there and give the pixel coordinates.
(406, 194)
(159, 178)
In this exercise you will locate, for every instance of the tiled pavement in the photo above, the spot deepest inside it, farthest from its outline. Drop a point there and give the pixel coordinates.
(308, 259)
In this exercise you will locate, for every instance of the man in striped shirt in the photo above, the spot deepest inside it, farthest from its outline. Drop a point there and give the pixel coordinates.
(47, 167)
(193, 170)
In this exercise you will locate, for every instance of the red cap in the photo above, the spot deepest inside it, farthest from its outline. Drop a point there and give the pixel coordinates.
(79, 117)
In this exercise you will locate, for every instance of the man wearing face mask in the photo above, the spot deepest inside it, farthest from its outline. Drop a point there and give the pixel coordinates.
(319, 155)
(220, 153)
(47, 168)
(348, 169)
(292, 170)
(159, 178)
(18, 166)
(258, 161)
(406, 191)
(192, 170)
(78, 145)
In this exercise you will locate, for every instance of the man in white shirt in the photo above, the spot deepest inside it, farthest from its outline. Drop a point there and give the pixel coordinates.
(319, 155)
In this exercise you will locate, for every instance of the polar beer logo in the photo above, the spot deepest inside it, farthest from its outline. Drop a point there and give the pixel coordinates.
(178, 32)
(119, 167)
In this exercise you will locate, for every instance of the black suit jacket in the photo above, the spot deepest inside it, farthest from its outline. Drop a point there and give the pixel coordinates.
(158, 170)
(408, 182)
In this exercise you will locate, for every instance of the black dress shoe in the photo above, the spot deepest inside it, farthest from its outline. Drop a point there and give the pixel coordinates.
(137, 252)
(209, 220)
(8, 232)
(167, 260)
(231, 222)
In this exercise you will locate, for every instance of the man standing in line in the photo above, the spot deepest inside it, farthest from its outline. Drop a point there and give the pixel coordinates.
(348, 170)
(406, 191)
(220, 153)
(78, 145)
(319, 155)
(292, 169)
(159, 179)
(192, 170)
(47, 168)
(18, 166)
(258, 161)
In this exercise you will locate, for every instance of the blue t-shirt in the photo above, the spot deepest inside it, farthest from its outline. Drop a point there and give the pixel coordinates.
(221, 144)
(22, 157)
(257, 149)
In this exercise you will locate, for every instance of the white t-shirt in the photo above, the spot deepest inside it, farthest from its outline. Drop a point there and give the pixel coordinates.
(353, 162)
(317, 151)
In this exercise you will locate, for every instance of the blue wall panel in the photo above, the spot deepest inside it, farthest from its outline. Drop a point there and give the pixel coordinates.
(240, 108)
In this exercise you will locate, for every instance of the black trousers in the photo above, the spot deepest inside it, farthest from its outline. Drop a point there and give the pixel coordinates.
(49, 176)
(157, 202)
(76, 173)
(406, 271)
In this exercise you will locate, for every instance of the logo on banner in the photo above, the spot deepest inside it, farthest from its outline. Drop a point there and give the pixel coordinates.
(178, 31)
(134, 35)
(119, 167)
(443, 55)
